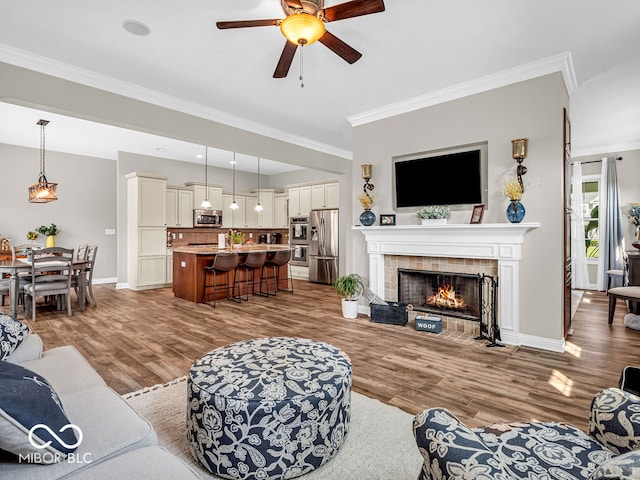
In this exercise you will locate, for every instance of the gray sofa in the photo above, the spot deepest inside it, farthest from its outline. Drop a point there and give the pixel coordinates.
(117, 442)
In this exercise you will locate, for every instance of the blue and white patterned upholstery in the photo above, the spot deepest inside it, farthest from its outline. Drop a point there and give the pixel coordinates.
(268, 408)
(544, 450)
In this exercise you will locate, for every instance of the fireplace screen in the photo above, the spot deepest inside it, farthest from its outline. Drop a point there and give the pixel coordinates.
(450, 294)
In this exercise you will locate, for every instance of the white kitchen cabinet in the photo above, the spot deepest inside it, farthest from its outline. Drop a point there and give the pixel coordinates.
(280, 213)
(213, 193)
(251, 216)
(179, 208)
(234, 218)
(325, 195)
(265, 217)
(299, 201)
(146, 230)
(169, 268)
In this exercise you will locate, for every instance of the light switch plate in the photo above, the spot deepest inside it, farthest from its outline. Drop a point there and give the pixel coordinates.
(109, 231)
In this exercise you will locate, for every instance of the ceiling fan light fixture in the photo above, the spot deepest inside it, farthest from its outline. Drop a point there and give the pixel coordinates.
(302, 28)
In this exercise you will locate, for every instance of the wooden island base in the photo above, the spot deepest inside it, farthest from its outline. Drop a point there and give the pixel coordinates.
(188, 272)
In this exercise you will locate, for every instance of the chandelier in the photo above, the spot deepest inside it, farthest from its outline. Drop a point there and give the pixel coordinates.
(42, 191)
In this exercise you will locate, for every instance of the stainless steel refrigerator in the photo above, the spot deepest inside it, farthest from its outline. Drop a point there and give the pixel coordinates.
(323, 246)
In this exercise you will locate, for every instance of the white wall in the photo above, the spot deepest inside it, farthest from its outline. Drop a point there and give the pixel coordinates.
(531, 109)
(86, 204)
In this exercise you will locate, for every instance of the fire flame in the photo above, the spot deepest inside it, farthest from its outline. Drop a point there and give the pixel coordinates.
(446, 298)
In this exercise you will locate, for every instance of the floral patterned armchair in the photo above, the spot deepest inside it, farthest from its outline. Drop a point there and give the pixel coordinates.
(540, 451)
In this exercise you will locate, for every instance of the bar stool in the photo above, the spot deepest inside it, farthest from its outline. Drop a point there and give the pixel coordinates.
(222, 263)
(278, 259)
(254, 261)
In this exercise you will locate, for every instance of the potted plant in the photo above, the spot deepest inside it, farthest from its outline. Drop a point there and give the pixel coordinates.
(50, 232)
(236, 238)
(350, 288)
(434, 214)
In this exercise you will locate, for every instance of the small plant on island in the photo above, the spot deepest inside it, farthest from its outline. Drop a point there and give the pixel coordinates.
(31, 235)
(432, 212)
(236, 237)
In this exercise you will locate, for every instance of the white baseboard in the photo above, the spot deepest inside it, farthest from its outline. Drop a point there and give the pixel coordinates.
(98, 281)
(121, 286)
(543, 343)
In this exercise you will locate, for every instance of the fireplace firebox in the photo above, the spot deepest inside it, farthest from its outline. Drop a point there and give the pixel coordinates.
(459, 295)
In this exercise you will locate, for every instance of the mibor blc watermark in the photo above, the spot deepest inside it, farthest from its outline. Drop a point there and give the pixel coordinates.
(54, 457)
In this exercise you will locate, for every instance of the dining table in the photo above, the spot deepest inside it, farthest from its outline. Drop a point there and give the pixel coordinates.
(15, 266)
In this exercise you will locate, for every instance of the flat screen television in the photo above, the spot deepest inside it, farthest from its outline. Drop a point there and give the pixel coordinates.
(451, 178)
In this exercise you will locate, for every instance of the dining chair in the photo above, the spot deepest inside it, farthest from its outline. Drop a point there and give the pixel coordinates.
(89, 255)
(51, 271)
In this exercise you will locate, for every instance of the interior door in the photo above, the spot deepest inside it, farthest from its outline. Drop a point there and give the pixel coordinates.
(567, 224)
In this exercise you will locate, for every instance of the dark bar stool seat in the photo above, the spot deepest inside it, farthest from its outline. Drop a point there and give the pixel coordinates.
(222, 263)
(253, 262)
(277, 260)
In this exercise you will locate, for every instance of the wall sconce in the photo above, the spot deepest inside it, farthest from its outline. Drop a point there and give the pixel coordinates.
(366, 175)
(520, 147)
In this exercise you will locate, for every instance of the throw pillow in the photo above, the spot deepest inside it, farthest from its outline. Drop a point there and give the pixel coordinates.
(33, 423)
(12, 334)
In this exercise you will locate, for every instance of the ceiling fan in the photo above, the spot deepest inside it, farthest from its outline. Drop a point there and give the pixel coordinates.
(304, 24)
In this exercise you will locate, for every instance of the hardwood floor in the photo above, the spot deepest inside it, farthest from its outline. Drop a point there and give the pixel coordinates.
(138, 339)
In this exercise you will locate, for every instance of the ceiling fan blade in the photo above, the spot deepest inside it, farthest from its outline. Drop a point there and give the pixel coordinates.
(348, 53)
(294, 3)
(354, 8)
(289, 51)
(247, 23)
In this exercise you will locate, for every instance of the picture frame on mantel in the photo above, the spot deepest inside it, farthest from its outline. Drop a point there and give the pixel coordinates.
(478, 212)
(387, 219)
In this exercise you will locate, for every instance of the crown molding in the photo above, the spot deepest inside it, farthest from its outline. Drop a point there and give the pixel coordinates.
(605, 149)
(558, 63)
(48, 66)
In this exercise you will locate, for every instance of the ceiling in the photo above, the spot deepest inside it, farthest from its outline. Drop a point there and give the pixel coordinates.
(414, 48)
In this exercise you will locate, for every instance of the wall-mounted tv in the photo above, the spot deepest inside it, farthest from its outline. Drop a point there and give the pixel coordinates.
(454, 176)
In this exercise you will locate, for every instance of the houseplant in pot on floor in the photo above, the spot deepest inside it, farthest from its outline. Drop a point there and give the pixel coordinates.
(350, 288)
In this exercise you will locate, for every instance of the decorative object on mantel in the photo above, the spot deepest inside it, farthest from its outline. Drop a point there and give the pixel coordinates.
(519, 150)
(387, 219)
(634, 218)
(513, 190)
(367, 218)
(50, 232)
(434, 215)
(42, 191)
(350, 288)
(478, 212)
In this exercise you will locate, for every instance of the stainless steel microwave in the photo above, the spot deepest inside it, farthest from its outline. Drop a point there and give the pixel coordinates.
(207, 218)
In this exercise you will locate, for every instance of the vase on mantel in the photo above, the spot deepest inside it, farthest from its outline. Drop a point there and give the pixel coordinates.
(367, 218)
(433, 221)
(515, 211)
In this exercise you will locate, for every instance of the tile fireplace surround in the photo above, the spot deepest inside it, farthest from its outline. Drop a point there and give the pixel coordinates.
(500, 243)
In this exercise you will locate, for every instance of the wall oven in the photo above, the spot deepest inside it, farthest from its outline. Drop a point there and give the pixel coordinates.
(299, 231)
(207, 218)
(300, 255)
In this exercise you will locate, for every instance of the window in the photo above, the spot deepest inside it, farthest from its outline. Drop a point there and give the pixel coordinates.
(590, 204)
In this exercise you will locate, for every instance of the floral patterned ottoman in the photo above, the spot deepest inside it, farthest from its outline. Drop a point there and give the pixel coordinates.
(268, 408)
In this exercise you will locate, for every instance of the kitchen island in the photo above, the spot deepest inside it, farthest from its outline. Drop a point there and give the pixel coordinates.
(189, 263)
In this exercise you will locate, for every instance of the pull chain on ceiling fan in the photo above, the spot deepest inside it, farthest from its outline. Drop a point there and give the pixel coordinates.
(304, 24)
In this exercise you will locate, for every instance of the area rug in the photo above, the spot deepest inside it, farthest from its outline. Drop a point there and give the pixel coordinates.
(380, 443)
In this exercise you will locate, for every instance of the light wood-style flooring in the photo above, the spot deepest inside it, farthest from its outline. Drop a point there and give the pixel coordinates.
(137, 339)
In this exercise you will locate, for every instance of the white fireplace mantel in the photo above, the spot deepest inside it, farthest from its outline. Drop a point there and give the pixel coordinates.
(497, 241)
